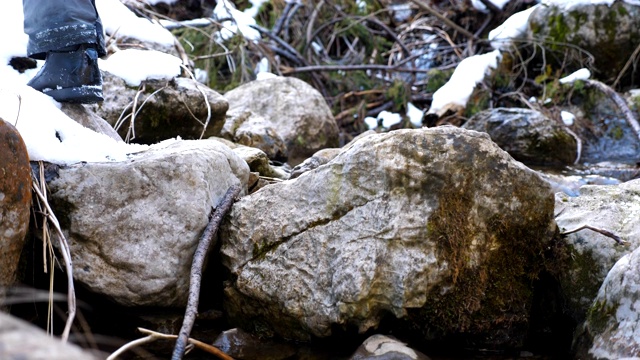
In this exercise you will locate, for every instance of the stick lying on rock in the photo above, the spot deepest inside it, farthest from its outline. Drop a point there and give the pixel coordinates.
(196, 269)
(606, 233)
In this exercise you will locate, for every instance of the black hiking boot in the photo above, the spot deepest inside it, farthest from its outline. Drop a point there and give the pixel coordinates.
(71, 75)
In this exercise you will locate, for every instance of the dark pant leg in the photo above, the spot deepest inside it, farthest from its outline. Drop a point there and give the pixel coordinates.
(56, 24)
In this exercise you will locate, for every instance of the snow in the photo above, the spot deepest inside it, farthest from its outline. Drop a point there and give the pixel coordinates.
(234, 21)
(480, 6)
(468, 74)
(255, 7)
(48, 133)
(567, 118)
(155, 2)
(415, 115)
(52, 136)
(567, 4)
(135, 66)
(118, 19)
(582, 74)
(514, 27)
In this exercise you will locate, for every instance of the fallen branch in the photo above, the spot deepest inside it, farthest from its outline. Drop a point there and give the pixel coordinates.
(196, 269)
(153, 336)
(628, 114)
(606, 233)
(314, 68)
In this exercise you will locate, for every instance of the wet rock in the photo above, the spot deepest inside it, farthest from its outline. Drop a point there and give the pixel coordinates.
(611, 207)
(247, 128)
(133, 226)
(610, 32)
(437, 227)
(22, 341)
(382, 347)
(15, 202)
(611, 330)
(571, 184)
(297, 112)
(242, 345)
(527, 135)
(164, 109)
(604, 131)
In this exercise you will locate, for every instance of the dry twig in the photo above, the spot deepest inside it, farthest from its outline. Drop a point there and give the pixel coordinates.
(196, 269)
(153, 336)
(606, 233)
(628, 114)
(66, 255)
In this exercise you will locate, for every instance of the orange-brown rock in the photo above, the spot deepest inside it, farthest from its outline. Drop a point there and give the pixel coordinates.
(15, 201)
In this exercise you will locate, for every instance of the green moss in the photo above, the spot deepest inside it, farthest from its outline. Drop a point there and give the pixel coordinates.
(599, 316)
(616, 133)
(437, 78)
(476, 299)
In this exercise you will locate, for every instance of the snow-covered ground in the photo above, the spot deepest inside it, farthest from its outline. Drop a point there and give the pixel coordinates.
(51, 135)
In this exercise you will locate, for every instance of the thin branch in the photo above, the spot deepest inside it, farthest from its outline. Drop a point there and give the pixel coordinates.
(628, 114)
(66, 255)
(153, 336)
(606, 233)
(491, 6)
(444, 19)
(626, 66)
(314, 68)
(196, 269)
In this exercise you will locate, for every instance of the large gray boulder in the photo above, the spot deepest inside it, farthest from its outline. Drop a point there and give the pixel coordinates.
(15, 202)
(20, 340)
(133, 226)
(437, 227)
(611, 331)
(615, 208)
(527, 135)
(297, 112)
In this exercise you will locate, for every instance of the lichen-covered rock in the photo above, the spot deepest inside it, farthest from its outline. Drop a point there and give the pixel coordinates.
(15, 202)
(609, 32)
(614, 208)
(164, 109)
(381, 347)
(527, 135)
(247, 128)
(437, 227)
(297, 112)
(133, 226)
(22, 341)
(611, 331)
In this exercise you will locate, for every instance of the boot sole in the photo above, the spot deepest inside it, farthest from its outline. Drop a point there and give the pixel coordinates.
(87, 94)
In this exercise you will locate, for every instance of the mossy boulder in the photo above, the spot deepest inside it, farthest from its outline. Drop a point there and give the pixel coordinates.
(611, 330)
(438, 229)
(527, 135)
(609, 33)
(615, 208)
